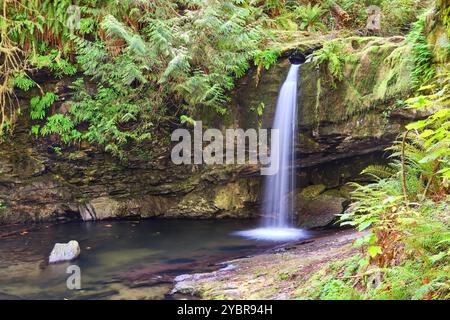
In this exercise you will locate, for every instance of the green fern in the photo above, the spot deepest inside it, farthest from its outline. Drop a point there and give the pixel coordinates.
(424, 69)
(309, 17)
(23, 82)
(332, 58)
(40, 105)
(115, 28)
(380, 172)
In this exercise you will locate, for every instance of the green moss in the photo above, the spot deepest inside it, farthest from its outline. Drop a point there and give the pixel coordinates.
(354, 101)
(441, 50)
(338, 290)
(313, 191)
(308, 144)
(333, 192)
(395, 75)
(331, 282)
(374, 71)
(374, 49)
(367, 73)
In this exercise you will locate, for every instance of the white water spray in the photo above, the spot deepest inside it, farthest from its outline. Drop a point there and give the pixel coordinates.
(278, 204)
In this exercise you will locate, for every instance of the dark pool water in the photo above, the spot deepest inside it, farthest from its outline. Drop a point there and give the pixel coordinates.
(119, 259)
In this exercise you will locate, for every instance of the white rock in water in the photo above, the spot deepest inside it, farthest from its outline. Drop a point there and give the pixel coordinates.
(64, 252)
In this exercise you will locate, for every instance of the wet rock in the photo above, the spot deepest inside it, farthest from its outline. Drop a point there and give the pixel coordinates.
(6, 296)
(313, 191)
(64, 252)
(319, 211)
(87, 212)
(233, 199)
(105, 207)
(187, 283)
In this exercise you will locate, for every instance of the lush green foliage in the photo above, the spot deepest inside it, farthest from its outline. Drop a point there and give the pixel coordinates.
(332, 58)
(396, 15)
(147, 65)
(145, 58)
(309, 17)
(433, 135)
(406, 252)
(39, 105)
(420, 271)
(424, 68)
(406, 209)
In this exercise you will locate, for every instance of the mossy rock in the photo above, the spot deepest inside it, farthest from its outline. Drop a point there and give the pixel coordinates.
(312, 192)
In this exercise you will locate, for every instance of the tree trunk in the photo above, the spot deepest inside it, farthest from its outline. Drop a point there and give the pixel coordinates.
(340, 15)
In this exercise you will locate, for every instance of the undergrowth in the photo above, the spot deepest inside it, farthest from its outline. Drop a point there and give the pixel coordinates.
(422, 273)
(151, 64)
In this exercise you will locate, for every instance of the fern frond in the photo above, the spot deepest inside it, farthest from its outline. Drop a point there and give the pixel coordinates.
(379, 171)
(115, 28)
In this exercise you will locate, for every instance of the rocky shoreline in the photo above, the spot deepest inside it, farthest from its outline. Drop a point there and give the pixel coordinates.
(273, 274)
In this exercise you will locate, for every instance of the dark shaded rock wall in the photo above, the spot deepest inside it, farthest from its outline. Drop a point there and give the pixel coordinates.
(39, 185)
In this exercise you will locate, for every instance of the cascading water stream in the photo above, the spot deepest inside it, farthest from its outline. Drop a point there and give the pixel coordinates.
(278, 207)
(278, 204)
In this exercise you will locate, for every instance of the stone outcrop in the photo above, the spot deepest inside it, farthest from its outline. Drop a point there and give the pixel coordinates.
(40, 186)
(334, 123)
(319, 209)
(64, 252)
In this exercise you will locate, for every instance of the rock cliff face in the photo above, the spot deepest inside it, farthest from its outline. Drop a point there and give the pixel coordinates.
(341, 130)
(36, 185)
(348, 120)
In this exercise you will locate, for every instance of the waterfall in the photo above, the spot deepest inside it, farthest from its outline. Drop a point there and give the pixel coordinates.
(279, 200)
(278, 205)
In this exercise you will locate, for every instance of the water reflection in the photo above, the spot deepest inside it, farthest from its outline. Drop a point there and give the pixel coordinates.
(119, 260)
